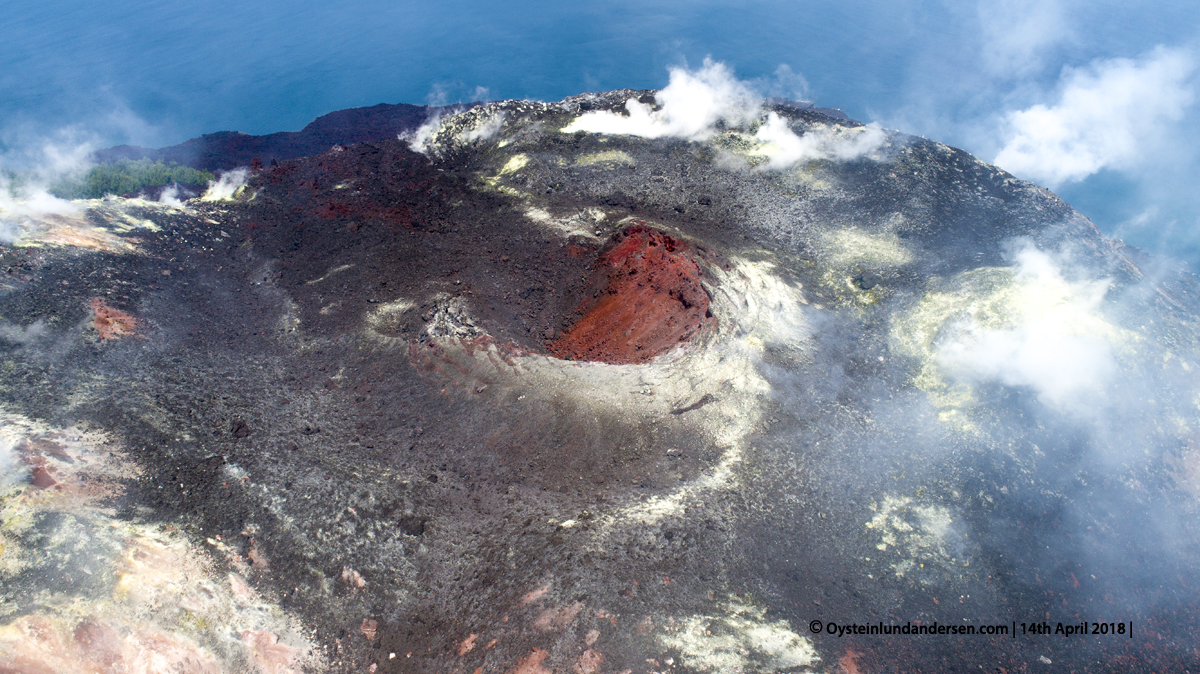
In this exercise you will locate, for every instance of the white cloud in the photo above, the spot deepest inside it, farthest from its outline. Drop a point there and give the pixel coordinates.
(1113, 114)
(785, 148)
(65, 159)
(690, 106)
(1048, 335)
(42, 160)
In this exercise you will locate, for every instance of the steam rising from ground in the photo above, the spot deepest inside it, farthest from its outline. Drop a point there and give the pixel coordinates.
(1050, 339)
(1069, 385)
(439, 100)
(696, 105)
(690, 107)
(487, 131)
(22, 206)
(144, 598)
(787, 149)
(1020, 326)
(170, 196)
(708, 105)
(24, 195)
(226, 186)
(23, 335)
(11, 469)
(419, 140)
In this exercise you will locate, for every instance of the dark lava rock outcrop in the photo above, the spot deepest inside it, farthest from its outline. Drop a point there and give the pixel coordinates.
(229, 149)
(550, 396)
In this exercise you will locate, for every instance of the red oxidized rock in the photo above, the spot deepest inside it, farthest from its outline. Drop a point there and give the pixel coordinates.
(111, 323)
(649, 299)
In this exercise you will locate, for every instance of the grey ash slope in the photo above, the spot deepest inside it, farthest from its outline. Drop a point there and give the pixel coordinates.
(353, 382)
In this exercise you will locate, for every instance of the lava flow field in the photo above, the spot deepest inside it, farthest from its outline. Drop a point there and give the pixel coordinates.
(521, 395)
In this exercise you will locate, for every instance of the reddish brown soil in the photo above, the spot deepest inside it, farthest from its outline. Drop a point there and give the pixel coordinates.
(647, 299)
(111, 323)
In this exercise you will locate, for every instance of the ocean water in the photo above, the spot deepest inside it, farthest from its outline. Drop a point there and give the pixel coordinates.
(157, 73)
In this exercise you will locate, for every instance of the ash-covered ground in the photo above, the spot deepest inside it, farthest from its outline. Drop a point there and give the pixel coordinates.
(533, 391)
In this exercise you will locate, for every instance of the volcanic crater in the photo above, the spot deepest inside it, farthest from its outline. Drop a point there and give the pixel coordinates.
(338, 415)
(646, 297)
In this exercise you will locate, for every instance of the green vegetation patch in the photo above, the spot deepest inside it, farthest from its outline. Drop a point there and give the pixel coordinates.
(125, 176)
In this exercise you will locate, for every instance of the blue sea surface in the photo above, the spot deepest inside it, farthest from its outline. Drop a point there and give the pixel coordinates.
(157, 73)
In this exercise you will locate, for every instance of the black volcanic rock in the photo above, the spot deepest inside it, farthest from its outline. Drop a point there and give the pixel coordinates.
(392, 409)
(230, 149)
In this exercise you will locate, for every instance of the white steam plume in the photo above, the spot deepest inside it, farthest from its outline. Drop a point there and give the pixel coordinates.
(24, 196)
(21, 207)
(226, 186)
(170, 196)
(487, 131)
(693, 104)
(690, 106)
(786, 84)
(11, 468)
(418, 140)
(831, 142)
(445, 94)
(1114, 114)
(23, 335)
(1053, 339)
